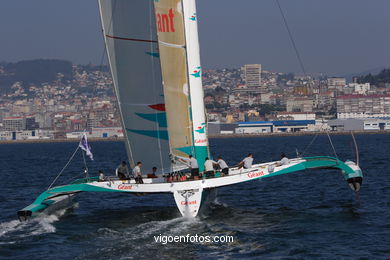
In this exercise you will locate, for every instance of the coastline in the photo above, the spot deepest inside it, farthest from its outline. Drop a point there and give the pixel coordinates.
(216, 136)
(298, 134)
(62, 140)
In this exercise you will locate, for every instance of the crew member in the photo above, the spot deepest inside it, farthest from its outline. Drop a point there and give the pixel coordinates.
(122, 172)
(153, 174)
(246, 162)
(209, 167)
(284, 160)
(101, 176)
(137, 173)
(224, 167)
(193, 164)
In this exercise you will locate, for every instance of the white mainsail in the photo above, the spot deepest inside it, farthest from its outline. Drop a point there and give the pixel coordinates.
(130, 35)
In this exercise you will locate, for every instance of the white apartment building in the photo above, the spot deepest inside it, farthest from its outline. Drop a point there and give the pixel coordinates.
(252, 74)
(360, 88)
(363, 106)
(336, 83)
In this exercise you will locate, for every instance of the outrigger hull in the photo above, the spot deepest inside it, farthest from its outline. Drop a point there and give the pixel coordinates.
(188, 195)
(48, 206)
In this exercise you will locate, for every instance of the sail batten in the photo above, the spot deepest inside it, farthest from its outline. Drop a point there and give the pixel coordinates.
(172, 45)
(129, 39)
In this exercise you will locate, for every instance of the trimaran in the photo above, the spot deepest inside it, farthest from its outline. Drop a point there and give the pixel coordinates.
(153, 52)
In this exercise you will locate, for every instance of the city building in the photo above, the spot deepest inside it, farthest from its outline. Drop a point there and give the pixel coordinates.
(346, 124)
(300, 104)
(254, 127)
(30, 123)
(357, 88)
(367, 124)
(293, 125)
(295, 116)
(363, 106)
(14, 123)
(335, 83)
(26, 135)
(252, 74)
(218, 128)
(104, 132)
(259, 127)
(252, 77)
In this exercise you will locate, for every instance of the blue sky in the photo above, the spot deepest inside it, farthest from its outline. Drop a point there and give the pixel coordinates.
(334, 36)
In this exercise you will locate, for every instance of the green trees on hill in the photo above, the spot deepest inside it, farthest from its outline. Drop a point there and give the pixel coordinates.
(34, 72)
(379, 80)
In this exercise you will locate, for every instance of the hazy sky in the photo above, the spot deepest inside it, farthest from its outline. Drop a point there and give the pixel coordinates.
(333, 36)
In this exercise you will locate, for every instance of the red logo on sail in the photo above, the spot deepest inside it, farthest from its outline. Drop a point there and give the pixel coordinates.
(165, 22)
(200, 141)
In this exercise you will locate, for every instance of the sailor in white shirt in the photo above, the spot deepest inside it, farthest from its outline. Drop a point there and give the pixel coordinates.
(193, 164)
(209, 167)
(137, 173)
(284, 160)
(222, 164)
(246, 162)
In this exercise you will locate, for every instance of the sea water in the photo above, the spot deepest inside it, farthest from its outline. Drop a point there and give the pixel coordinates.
(308, 214)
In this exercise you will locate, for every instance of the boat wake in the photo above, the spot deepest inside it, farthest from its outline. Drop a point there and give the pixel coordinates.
(118, 242)
(154, 228)
(216, 202)
(14, 230)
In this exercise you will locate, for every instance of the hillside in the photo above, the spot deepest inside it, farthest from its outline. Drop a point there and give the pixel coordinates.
(379, 79)
(34, 72)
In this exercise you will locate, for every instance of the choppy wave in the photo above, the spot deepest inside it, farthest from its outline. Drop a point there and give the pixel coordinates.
(13, 230)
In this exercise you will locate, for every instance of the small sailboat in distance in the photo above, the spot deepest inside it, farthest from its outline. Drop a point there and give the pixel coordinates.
(153, 51)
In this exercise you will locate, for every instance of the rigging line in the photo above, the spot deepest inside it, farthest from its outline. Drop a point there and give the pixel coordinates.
(102, 57)
(311, 142)
(128, 146)
(314, 138)
(66, 165)
(75, 177)
(356, 149)
(104, 42)
(291, 38)
(331, 143)
(151, 11)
